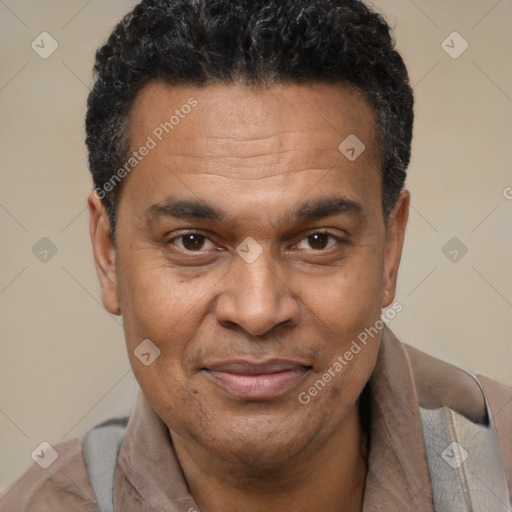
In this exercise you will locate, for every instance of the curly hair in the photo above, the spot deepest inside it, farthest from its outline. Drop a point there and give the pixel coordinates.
(201, 42)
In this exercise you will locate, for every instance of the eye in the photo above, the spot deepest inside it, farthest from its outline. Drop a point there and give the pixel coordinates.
(319, 241)
(191, 242)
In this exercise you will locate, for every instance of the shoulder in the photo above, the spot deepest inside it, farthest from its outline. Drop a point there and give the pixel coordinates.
(499, 396)
(62, 486)
(440, 383)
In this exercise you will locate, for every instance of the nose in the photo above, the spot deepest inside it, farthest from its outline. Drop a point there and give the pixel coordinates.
(256, 298)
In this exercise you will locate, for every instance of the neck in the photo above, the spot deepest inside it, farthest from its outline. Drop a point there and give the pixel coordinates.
(329, 475)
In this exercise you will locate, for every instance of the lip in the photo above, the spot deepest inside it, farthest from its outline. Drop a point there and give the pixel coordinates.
(257, 380)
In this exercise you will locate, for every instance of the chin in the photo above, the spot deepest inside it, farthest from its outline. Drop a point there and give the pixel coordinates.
(260, 446)
(253, 460)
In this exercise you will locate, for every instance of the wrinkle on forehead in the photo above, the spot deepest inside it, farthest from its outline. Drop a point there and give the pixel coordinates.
(316, 115)
(236, 175)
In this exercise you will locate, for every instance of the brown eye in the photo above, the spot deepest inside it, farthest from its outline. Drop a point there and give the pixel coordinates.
(190, 242)
(318, 241)
(193, 242)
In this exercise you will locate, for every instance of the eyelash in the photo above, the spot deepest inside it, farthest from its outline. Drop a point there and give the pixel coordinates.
(338, 239)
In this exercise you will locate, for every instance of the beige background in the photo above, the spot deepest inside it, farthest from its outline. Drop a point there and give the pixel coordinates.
(63, 365)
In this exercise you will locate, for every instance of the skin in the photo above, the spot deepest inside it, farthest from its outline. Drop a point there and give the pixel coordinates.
(255, 155)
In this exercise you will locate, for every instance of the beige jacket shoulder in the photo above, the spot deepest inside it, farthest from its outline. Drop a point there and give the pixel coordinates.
(439, 383)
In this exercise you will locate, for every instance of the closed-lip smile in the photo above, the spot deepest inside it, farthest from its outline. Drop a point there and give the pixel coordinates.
(257, 380)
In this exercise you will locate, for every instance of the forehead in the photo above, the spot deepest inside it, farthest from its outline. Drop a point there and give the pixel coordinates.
(224, 115)
(262, 140)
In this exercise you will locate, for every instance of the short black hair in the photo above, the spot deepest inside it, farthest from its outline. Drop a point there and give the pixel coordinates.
(202, 42)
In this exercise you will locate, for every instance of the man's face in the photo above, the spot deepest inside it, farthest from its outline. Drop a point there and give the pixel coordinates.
(252, 252)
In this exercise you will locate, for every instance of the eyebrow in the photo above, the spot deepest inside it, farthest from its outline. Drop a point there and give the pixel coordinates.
(199, 210)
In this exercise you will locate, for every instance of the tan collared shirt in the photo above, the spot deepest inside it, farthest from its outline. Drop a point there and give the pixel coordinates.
(149, 478)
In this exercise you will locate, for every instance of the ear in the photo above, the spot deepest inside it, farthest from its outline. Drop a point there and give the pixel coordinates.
(104, 253)
(395, 234)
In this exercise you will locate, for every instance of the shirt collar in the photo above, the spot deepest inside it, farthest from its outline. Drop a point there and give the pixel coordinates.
(398, 477)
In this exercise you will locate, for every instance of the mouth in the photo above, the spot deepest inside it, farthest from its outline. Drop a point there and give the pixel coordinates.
(243, 379)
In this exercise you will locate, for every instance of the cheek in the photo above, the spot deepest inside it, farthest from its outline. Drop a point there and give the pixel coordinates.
(158, 302)
(167, 308)
(331, 393)
(347, 299)
(346, 307)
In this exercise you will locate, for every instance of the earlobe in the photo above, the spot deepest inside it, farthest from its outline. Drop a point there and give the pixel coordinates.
(397, 223)
(104, 253)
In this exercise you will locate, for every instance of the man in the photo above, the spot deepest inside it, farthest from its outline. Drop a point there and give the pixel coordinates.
(247, 222)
